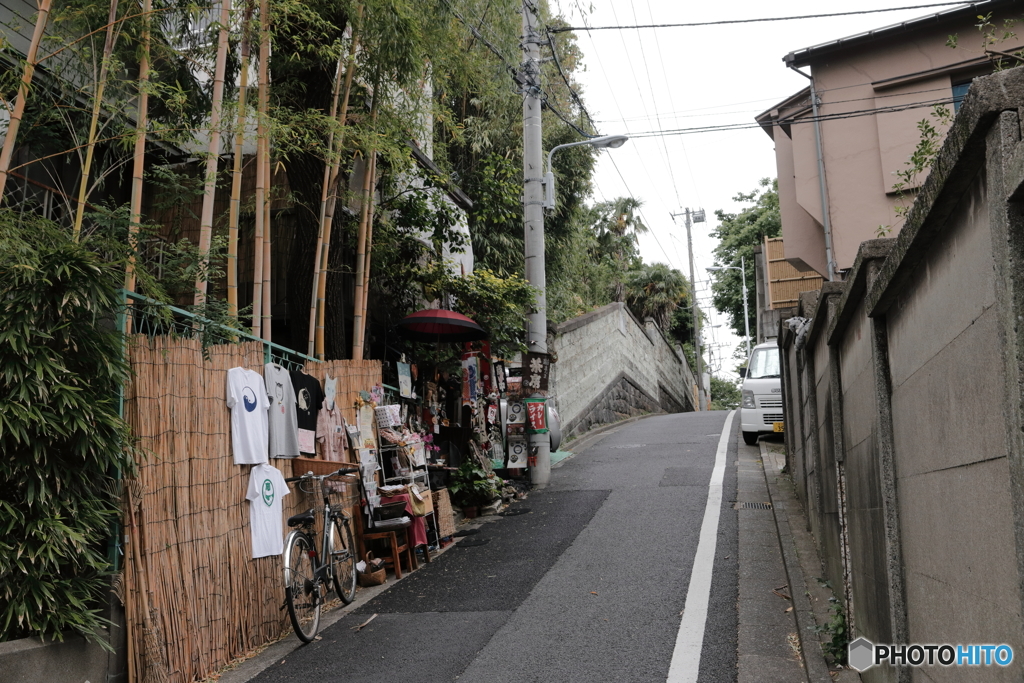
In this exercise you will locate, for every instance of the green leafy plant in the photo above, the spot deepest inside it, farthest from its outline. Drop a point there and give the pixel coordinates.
(472, 486)
(725, 395)
(835, 630)
(62, 366)
(928, 145)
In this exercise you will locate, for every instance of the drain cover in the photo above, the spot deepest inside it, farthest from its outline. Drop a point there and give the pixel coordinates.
(752, 506)
(630, 445)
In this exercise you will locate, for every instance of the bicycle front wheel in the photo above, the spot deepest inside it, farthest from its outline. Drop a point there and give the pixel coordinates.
(301, 586)
(343, 559)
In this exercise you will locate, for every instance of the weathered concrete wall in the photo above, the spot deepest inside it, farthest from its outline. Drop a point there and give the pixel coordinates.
(610, 366)
(908, 445)
(32, 660)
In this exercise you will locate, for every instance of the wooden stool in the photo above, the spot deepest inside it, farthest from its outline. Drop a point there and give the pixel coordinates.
(397, 548)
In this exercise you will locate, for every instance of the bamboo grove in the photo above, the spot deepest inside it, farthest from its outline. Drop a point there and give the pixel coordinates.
(280, 131)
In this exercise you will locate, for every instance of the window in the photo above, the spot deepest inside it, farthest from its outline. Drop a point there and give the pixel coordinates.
(764, 363)
(959, 93)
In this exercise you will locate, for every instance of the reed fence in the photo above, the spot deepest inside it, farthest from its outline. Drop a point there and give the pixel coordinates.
(191, 584)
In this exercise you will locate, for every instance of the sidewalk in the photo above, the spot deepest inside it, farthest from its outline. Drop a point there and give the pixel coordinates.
(777, 634)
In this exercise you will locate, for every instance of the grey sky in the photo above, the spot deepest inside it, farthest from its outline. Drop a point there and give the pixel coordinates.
(657, 79)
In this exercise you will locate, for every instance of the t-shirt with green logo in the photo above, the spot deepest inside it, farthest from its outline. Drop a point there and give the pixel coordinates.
(266, 489)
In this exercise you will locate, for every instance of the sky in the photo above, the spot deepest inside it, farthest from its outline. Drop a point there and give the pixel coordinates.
(640, 80)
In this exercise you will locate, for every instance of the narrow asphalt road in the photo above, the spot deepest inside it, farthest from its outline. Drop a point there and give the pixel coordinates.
(588, 584)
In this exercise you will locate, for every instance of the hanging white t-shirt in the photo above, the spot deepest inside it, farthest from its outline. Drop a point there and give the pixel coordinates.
(284, 422)
(247, 399)
(266, 489)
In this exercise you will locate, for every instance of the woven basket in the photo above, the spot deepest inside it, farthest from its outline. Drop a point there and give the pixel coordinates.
(377, 578)
(443, 513)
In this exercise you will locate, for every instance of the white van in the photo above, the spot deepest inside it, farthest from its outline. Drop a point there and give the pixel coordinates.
(761, 407)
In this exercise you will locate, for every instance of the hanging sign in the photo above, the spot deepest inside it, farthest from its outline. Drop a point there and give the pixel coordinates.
(536, 368)
(536, 415)
(500, 383)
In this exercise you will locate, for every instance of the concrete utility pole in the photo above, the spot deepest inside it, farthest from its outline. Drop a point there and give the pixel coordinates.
(533, 220)
(698, 217)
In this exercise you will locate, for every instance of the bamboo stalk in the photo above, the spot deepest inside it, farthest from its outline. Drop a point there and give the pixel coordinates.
(366, 258)
(324, 191)
(212, 155)
(26, 81)
(268, 182)
(108, 48)
(328, 205)
(236, 172)
(139, 161)
(262, 150)
(364, 210)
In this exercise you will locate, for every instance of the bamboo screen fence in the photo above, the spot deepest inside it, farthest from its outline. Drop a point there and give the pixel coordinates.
(784, 281)
(191, 584)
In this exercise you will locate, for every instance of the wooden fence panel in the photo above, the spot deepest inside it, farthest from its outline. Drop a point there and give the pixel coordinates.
(208, 600)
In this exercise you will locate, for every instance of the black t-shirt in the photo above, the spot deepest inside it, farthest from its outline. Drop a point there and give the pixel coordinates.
(309, 397)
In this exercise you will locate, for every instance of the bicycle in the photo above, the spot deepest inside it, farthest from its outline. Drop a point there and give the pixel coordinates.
(309, 572)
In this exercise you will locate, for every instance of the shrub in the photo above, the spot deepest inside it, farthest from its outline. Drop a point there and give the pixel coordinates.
(62, 367)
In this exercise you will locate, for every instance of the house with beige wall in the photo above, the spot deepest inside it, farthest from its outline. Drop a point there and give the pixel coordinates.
(837, 160)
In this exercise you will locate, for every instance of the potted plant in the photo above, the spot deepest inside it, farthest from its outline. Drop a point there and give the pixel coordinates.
(472, 487)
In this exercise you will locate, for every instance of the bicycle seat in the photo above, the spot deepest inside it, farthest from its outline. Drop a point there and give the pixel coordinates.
(301, 519)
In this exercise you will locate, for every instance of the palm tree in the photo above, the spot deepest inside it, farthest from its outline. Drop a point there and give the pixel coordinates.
(655, 291)
(617, 227)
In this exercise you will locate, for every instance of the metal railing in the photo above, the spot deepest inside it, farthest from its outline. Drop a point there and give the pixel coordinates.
(153, 318)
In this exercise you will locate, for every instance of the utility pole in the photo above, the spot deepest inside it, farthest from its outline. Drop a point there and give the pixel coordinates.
(533, 219)
(698, 217)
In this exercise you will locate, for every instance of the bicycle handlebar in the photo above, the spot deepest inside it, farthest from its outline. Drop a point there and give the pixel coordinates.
(310, 475)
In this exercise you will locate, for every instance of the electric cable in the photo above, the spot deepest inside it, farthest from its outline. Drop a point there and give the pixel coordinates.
(788, 121)
(765, 19)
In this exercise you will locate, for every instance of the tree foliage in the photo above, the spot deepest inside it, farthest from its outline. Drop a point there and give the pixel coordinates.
(725, 395)
(738, 235)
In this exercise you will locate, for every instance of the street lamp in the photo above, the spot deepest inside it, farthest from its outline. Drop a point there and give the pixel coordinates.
(746, 315)
(603, 142)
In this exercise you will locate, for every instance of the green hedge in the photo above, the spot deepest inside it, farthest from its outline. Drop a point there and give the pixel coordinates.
(62, 367)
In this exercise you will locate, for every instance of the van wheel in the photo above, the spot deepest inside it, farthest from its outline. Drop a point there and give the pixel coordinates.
(750, 438)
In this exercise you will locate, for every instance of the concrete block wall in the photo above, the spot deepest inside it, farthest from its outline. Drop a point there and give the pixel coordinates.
(609, 366)
(906, 405)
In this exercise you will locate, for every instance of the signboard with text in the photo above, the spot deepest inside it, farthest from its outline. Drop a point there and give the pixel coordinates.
(536, 415)
(536, 369)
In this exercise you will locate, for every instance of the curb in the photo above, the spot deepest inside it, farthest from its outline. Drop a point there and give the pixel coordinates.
(814, 659)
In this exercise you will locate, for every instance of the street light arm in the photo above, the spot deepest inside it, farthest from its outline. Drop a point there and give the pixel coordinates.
(606, 141)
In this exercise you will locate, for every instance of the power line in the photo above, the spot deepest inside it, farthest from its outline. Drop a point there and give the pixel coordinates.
(803, 119)
(682, 115)
(761, 20)
(672, 105)
(640, 210)
(654, 102)
(572, 91)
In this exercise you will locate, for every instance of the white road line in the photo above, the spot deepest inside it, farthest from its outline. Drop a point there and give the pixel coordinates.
(686, 656)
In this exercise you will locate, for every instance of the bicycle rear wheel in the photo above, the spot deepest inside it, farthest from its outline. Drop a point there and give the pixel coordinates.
(343, 559)
(301, 586)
